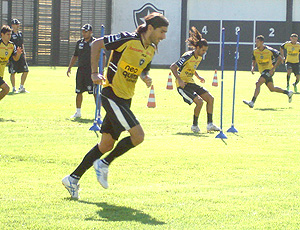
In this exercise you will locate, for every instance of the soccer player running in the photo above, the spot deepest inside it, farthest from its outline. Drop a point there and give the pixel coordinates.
(131, 57)
(7, 49)
(21, 65)
(292, 48)
(184, 70)
(83, 76)
(262, 56)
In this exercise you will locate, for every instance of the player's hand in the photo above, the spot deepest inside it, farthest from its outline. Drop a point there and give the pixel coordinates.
(148, 81)
(181, 83)
(19, 51)
(271, 72)
(202, 80)
(282, 60)
(252, 70)
(97, 78)
(69, 72)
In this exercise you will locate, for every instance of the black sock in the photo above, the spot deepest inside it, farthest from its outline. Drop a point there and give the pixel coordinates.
(296, 82)
(209, 118)
(195, 121)
(122, 147)
(253, 99)
(87, 162)
(288, 80)
(286, 92)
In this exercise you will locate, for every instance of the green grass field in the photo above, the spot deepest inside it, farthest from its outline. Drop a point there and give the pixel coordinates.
(174, 180)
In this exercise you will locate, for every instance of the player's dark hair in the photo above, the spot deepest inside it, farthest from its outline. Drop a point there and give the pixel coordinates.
(294, 35)
(155, 19)
(196, 39)
(5, 29)
(261, 38)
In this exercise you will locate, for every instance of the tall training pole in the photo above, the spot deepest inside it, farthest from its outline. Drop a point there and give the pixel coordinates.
(101, 68)
(97, 121)
(221, 134)
(232, 129)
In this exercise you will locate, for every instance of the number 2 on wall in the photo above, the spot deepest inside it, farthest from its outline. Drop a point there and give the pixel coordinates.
(237, 29)
(272, 32)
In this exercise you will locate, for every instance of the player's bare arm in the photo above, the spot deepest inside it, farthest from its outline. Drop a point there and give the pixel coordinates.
(278, 62)
(174, 69)
(282, 55)
(71, 64)
(145, 77)
(18, 55)
(202, 80)
(96, 47)
(253, 66)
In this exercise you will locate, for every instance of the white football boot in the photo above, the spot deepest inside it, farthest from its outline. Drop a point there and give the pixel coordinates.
(101, 170)
(195, 128)
(212, 127)
(72, 188)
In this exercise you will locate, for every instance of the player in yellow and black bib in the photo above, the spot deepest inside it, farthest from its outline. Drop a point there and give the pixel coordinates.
(184, 70)
(292, 48)
(131, 57)
(263, 56)
(7, 49)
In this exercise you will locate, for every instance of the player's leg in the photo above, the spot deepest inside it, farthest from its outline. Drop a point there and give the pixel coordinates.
(79, 99)
(121, 119)
(4, 89)
(288, 74)
(258, 84)
(296, 83)
(199, 103)
(80, 88)
(209, 109)
(189, 96)
(276, 89)
(21, 66)
(71, 181)
(13, 82)
(23, 79)
(296, 72)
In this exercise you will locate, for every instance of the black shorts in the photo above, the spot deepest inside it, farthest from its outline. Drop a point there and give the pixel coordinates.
(293, 66)
(190, 91)
(266, 75)
(19, 66)
(83, 80)
(118, 116)
(1, 81)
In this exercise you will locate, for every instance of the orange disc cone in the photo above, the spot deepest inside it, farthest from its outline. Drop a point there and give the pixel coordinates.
(151, 100)
(215, 80)
(170, 84)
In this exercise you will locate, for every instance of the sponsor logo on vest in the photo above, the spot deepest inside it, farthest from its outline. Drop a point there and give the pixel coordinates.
(130, 73)
(142, 61)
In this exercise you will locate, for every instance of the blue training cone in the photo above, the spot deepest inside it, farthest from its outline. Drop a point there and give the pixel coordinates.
(232, 129)
(95, 127)
(221, 135)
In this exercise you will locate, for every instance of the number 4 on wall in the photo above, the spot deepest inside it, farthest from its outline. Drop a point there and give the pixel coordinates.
(204, 30)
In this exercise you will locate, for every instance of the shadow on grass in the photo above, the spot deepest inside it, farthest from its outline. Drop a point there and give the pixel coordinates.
(109, 212)
(272, 109)
(80, 120)
(192, 134)
(4, 120)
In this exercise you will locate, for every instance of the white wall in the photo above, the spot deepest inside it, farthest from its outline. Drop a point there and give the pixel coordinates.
(296, 10)
(168, 49)
(260, 10)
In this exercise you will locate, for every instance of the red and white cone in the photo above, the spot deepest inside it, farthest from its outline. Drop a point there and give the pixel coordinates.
(170, 84)
(151, 99)
(215, 80)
